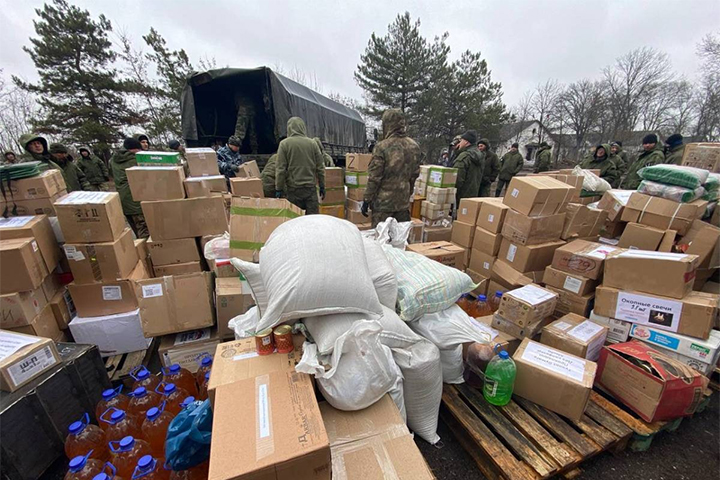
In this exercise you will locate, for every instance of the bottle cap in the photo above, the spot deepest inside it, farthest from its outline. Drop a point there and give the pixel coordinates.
(77, 463)
(206, 361)
(498, 294)
(207, 376)
(482, 298)
(139, 392)
(187, 401)
(76, 427)
(153, 413)
(101, 476)
(108, 394)
(175, 367)
(127, 442)
(504, 355)
(145, 461)
(117, 415)
(143, 374)
(169, 388)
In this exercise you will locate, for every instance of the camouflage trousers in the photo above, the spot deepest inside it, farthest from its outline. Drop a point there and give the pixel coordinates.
(138, 225)
(379, 217)
(100, 187)
(305, 198)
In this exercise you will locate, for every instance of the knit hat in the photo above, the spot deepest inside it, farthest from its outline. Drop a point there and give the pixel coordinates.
(173, 144)
(58, 148)
(674, 140)
(470, 136)
(515, 145)
(649, 138)
(234, 141)
(485, 142)
(617, 143)
(132, 144)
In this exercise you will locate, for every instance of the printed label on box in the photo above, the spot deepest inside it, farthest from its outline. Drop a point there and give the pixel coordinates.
(512, 249)
(111, 293)
(72, 253)
(351, 179)
(464, 211)
(34, 246)
(515, 192)
(14, 222)
(656, 312)
(554, 361)
(76, 198)
(572, 284)
(601, 252)
(436, 177)
(585, 331)
(491, 218)
(486, 265)
(11, 343)
(562, 325)
(657, 338)
(154, 290)
(531, 294)
(192, 336)
(32, 365)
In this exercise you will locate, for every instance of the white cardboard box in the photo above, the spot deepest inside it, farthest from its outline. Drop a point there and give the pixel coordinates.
(702, 355)
(618, 330)
(113, 334)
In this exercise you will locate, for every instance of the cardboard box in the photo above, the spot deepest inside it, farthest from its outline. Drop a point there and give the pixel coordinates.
(582, 258)
(614, 202)
(702, 240)
(694, 315)
(175, 304)
(37, 227)
(230, 301)
(52, 284)
(87, 217)
(537, 196)
(528, 258)
(355, 193)
(143, 253)
(571, 303)
(205, 186)
(154, 159)
(43, 325)
(63, 308)
(358, 162)
(334, 177)
(664, 274)
(333, 196)
(247, 187)
(113, 334)
(527, 305)
(641, 237)
(252, 220)
(524, 230)
(444, 252)
(356, 217)
(109, 298)
(36, 206)
(613, 229)
(618, 331)
(337, 211)
(187, 349)
(46, 185)
(222, 268)
(437, 234)
(576, 335)
(663, 213)
(442, 195)
(169, 252)
(513, 329)
(702, 155)
(463, 234)
(702, 355)
(280, 408)
(435, 211)
(481, 263)
(24, 358)
(582, 221)
(673, 390)
(443, 177)
(102, 262)
(191, 217)
(468, 210)
(480, 280)
(492, 215)
(177, 269)
(356, 179)
(576, 284)
(372, 443)
(20, 308)
(510, 278)
(486, 242)
(553, 379)
(248, 169)
(23, 267)
(506, 341)
(418, 229)
(202, 162)
(156, 183)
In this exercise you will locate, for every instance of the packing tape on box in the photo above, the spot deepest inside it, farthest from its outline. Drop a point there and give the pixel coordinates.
(94, 265)
(642, 212)
(264, 212)
(264, 440)
(647, 204)
(376, 443)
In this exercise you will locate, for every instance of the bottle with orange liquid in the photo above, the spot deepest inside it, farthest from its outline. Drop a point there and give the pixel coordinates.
(203, 393)
(198, 472)
(83, 468)
(480, 307)
(185, 403)
(84, 437)
(119, 424)
(126, 453)
(143, 378)
(465, 302)
(155, 427)
(149, 468)
(142, 400)
(173, 397)
(112, 398)
(205, 366)
(181, 377)
(109, 473)
(495, 301)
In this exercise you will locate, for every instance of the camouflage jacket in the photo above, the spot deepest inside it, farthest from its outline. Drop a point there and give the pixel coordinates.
(510, 165)
(94, 169)
(268, 175)
(543, 160)
(44, 157)
(607, 165)
(470, 163)
(327, 159)
(300, 162)
(674, 155)
(645, 159)
(621, 162)
(228, 160)
(119, 162)
(491, 167)
(74, 177)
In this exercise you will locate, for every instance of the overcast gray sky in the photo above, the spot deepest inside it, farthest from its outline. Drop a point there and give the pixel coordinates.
(524, 41)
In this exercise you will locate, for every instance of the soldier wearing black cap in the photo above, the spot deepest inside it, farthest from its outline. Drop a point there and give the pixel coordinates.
(674, 150)
(652, 155)
(228, 157)
(470, 165)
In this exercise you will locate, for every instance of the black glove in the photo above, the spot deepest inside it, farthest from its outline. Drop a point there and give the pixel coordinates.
(278, 194)
(322, 193)
(364, 208)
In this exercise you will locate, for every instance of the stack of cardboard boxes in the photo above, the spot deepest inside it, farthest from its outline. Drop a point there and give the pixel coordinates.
(205, 178)
(34, 195)
(436, 210)
(334, 202)
(356, 178)
(524, 311)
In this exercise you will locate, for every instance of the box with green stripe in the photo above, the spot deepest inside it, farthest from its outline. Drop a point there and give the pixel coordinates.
(334, 196)
(356, 179)
(147, 159)
(252, 220)
(442, 177)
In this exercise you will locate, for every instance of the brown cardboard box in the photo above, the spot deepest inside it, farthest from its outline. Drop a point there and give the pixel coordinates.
(480, 280)
(528, 258)
(51, 285)
(576, 284)
(358, 162)
(20, 308)
(337, 211)
(37, 227)
(613, 229)
(524, 230)
(510, 278)
(582, 258)
(334, 196)
(175, 304)
(435, 211)
(110, 298)
(462, 234)
(334, 177)
(248, 169)
(63, 308)
(527, 305)
(86, 217)
(156, 183)
(537, 196)
(702, 240)
(702, 155)
(569, 302)
(104, 261)
(575, 181)
(289, 440)
(168, 252)
(187, 349)
(468, 210)
(46, 185)
(23, 267)
(694, 315)
(614, 202)
(141, 248)
(28, 358)
(35, 206)
(553, 379)
(437, 234)
(355, 217)
(205, 186)
(576, 335)
(662, 213)
(252, 220)
(582, 221)
(444, 252)
(507, 342)
(418, 229)
(486, 242)
(516, 331)
(356, 179)
(191, 217)
(177, 269)
(492, 215)
(372, 443)
(43, 325)
(664, 274)
(356, 193)
(641, 237)
(230, 301)
(481, 263)
(222, 268)
(247, 187)
(202, 164)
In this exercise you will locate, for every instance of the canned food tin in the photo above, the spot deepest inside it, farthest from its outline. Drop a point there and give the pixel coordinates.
(264, 342)
(283, 339)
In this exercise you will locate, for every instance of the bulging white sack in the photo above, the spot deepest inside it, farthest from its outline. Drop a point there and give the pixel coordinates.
(251, 272)
(451, 327)
(381, 273)
(245, 325)
(452, 365)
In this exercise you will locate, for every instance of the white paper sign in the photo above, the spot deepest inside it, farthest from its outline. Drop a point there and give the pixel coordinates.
(78, 198)
(11, 343)
(585, 331)
(531, 294)
(154, 290)
(601, 252)
(659, 312)
(111, 293)
(30, 366)
(351, 180)
(555, 361)
(562, 325)
(436, 177)
(572, 284)
(14, 222)
(72, 253)
(512, 249)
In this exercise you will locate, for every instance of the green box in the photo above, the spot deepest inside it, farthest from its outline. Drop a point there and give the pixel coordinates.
(147, 159)
(356, 179)
(442, 177)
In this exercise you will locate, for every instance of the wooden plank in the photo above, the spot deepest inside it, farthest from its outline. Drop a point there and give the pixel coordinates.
(559, 428)
(131, 360)
(525, 449)
(638, 426)
(483, 437)
(597, 433)
(572, 474)
(545, 441)
(604, 418)
(484, 464)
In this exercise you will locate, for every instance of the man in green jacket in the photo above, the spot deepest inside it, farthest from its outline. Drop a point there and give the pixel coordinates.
(392, 172)
(300, 168)
(36, 148)
(268, 174)
(470, 165)
(121, 160)
(74, 177)
(327, 159)
(675, 149)
(510, 165)
(543, 159)
(621, 156)
(94, 169)
(144, 140)
(605, 162)
(652, 155)
(491, 167)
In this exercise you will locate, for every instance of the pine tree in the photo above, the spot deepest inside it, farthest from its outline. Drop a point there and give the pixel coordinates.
(81, 96)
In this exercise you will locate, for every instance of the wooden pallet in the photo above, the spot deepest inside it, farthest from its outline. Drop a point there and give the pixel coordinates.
(120, 366)
(524, 441)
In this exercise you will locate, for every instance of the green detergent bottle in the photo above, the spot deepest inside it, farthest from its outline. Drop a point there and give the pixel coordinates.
(499, 379)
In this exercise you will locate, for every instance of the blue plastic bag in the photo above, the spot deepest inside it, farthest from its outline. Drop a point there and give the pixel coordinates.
(188, 437)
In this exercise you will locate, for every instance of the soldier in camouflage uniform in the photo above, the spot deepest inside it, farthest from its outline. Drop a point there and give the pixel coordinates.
(491, 167)
(470, 163)
(228, 157)
(74, 177)
(652, 155)
(621, 158)
(675, 149)
(144, 141)
(121, 160)
(268, 174)
(245, 128)
(604, 161)
(94, 169)
(510, 165)
(300, 168)
(392, 172)
(327, 159)
(36, 148)
(543, 159)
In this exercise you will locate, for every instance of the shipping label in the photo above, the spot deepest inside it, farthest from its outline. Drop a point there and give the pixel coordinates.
(154, 290)
(601, 252)
(656, 312)
(11, 343)
(436, 177)
(562, 326)
(111, 293)
(78, 198)
(572, 284)
(491, 218)
(555, 361)
(515, 192)
(32, 365)
(532, 294)
(264, 441)
(585, 331)
(72, 253)
(512, 250)
(14, 222)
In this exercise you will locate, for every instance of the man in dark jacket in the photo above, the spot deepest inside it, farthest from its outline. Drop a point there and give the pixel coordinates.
(36, 148)
(74, 177)
(268, 174)
(470, 163)
(621, 157)
(510, 165)
(327, 159)
(491, 167)
(119, 162)
(652, 155)
(94, 169)
(228, 157)
(300, 168)
(543, 159)
(675, 149)
(605, 162)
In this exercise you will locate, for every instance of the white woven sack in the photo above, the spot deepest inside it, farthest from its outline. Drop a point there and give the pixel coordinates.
(251, 272)
(245, 325)
(381, 273)
(452, 365)
(315, 265)
(451, 327)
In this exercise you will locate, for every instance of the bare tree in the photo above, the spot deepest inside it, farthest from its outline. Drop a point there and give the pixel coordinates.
(682, 111)
(707, 99)
(17, 110)
(523, 111)
(545, 104)
(582, 105)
